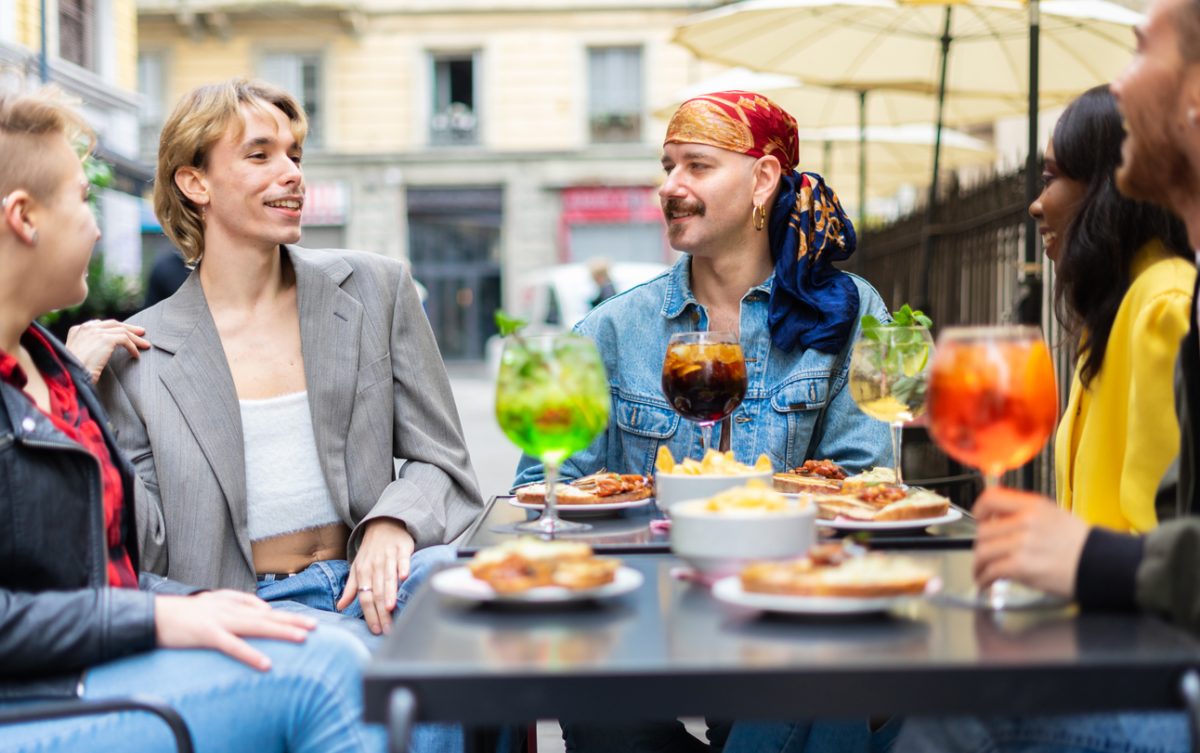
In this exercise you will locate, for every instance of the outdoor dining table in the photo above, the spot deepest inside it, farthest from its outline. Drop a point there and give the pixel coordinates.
(629, 531)
(669, 649)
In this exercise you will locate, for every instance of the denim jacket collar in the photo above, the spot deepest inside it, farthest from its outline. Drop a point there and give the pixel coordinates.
(679, 288)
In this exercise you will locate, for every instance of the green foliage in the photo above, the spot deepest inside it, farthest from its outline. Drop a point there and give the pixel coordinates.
(109, 296)
(901, 351)
(508, 325)
(99, 174)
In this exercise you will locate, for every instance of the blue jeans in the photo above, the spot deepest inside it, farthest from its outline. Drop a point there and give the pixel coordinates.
(1141, 732)
(315, 590)
(309, 702)
(320, 585)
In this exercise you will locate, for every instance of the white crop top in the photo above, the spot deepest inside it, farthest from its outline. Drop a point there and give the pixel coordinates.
(285, 488)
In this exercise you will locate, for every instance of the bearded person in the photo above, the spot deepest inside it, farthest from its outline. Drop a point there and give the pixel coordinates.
(759, 241)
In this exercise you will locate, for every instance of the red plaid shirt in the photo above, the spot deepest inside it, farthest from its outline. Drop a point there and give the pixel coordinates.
(71, 417)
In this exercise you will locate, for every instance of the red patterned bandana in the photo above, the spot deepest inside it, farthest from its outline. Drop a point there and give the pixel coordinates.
(742, 122)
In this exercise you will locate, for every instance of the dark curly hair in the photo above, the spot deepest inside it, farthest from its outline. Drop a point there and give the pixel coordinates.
(1093, 273)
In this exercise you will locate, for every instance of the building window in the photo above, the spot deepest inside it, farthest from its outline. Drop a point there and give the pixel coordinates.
(615, 94)
(299, 74)
(76, 32)
(152, 86)
(455, 114)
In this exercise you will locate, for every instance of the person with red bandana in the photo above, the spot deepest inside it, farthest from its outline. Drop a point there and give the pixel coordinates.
(759, 239)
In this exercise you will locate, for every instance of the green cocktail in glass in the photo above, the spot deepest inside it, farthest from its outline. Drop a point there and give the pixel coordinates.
(552, 400)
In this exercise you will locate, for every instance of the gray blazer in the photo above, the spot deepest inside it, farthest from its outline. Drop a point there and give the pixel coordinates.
(377, 390)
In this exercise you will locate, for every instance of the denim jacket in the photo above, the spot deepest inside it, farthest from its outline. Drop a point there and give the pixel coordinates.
(783, 397)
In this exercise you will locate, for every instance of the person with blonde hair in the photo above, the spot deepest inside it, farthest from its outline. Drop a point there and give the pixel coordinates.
(282, 385)
(77, 617)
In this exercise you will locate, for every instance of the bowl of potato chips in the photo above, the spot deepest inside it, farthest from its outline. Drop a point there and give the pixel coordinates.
(718, 535)
(700, 479)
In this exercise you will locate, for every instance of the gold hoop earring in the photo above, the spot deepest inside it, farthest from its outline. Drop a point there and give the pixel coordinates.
(760, 216)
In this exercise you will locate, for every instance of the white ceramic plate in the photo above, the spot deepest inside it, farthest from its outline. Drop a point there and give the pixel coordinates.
(729, 590)
(458, 581)
(891, 525)
(584, 509)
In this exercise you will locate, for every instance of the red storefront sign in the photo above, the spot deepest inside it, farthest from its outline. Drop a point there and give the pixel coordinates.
(605, 205)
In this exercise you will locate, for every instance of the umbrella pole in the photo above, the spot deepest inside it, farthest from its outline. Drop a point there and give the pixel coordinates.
(927, 241)
(862, 162)
(1032, 270)
(1032, 267)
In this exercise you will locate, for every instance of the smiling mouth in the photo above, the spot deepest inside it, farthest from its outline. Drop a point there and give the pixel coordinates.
(677, 210)
(292, 204)
(1049, 237)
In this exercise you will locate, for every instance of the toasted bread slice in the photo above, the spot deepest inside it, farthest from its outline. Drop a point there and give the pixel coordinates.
(834, 506)
(871, 576)
(920, 503)
(583, 574)
(858, 482)
(526, 563)
(795, 483)
(596, 489)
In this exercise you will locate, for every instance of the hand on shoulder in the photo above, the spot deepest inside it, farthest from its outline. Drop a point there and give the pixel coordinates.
(94, 342)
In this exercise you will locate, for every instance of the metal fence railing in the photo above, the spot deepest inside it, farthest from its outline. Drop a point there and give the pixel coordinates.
(972, 273)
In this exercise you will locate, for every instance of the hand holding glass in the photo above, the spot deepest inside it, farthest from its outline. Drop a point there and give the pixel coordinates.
(552, 400)
(993, 404)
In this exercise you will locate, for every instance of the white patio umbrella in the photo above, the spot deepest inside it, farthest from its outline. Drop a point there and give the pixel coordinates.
(890, 103)
(898, 103)
(988, 47)
(898, 155)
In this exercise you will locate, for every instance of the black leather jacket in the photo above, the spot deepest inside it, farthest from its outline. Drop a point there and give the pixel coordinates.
(57, 615)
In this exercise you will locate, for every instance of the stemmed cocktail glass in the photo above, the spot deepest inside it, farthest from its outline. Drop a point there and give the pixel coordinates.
(993, 404)
(552, 400)
(889, 374)
(704, 378)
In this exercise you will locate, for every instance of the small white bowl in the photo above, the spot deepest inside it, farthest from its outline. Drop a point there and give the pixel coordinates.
(672, 488)
(720, 543)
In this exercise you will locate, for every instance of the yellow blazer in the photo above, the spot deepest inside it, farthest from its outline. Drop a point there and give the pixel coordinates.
(1118, 436)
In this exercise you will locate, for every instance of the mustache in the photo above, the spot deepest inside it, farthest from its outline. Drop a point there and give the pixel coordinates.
(672, 206)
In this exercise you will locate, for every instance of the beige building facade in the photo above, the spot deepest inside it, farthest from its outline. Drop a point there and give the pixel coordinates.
(90, 52)
(484, 141)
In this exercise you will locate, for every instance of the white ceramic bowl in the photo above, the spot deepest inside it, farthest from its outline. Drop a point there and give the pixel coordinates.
(671, 488)
(720, 543)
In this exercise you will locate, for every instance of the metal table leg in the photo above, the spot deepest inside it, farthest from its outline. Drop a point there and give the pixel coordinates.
(1189, 688)
(402, 714)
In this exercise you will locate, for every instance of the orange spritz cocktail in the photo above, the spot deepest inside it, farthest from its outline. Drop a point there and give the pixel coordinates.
(992, 398)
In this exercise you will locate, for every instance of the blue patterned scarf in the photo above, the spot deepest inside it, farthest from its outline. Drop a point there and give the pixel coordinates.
(813, 304)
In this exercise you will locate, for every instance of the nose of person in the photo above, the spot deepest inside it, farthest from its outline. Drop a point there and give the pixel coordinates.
(671, 187)
(291, 174)
(1035, 208)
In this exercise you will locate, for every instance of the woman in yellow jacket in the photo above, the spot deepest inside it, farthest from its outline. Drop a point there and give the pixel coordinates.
(1123, 288)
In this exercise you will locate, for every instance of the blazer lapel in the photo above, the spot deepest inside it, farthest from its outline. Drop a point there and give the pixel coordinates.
(200, 383)
(330, 336)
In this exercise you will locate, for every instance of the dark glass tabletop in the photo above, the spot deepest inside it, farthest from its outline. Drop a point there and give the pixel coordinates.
(630, 530)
